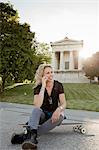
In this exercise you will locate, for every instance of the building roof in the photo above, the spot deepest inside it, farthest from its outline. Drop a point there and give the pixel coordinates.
(66, 41)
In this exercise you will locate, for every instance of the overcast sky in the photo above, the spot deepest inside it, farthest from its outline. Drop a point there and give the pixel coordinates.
(53, 20)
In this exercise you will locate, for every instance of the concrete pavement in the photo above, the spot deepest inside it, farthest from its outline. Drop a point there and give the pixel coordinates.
(62, 137)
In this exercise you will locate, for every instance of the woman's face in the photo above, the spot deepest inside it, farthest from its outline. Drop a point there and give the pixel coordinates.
(48, 72)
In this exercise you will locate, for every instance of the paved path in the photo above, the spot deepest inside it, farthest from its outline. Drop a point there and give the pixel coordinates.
(62, 137)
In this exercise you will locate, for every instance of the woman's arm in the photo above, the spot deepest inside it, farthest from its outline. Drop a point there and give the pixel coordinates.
(59, 109)
(62, 100)
(38, 98)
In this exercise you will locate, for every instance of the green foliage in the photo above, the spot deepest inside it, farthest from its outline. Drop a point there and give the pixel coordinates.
(20, 54)
(17, 57)
(7, 12)
(91, 66)
(43, 54)
(43, 48)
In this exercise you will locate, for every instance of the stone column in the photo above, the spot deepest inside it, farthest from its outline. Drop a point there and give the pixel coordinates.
(79, 63)
(71, 62)
(53, 60)
(61, 61)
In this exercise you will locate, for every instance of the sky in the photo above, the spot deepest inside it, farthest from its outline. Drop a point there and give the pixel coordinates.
(53, 20)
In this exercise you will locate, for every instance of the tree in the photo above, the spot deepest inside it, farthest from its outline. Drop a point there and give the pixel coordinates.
(91, 66)
(43, 54)
(17, 57)
(20, 54)
(96, 64)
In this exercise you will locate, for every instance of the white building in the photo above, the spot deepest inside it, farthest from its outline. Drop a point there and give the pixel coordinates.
(66, 61)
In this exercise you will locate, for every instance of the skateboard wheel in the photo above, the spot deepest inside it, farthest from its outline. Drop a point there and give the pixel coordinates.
(80, 127)
(75, 128)
(83, 130)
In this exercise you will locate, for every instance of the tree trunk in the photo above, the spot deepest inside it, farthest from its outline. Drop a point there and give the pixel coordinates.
(0, 88)
(3, 84)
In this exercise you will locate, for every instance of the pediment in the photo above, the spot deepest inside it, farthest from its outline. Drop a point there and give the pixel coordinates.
(66, 41)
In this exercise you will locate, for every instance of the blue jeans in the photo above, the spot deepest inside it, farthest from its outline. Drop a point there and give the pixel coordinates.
(39, 121)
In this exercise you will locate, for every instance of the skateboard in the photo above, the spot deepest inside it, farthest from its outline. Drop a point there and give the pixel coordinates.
(77, 126)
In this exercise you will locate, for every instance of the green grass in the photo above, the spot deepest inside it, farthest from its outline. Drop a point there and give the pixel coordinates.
(22, 94)
(83, 96)
(78, 95)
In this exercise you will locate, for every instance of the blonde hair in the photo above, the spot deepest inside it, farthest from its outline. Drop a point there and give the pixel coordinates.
(40, 72)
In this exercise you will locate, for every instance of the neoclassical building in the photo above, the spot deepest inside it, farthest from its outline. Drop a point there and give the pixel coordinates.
(66, 61)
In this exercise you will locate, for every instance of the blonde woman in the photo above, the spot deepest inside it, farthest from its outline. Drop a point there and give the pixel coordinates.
(49, 104)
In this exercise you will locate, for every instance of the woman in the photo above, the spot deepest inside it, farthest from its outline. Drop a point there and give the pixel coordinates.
(49, 104)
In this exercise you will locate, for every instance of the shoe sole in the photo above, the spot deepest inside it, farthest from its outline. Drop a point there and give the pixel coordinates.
(28, 146)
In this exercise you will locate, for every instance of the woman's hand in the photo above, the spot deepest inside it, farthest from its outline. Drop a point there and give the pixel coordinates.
(56, 115)
(44, 79)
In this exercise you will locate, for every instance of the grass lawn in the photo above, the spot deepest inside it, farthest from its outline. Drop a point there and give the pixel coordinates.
(83, 96)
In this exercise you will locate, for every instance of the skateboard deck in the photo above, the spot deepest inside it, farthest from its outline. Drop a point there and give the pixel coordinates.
(77, 126)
